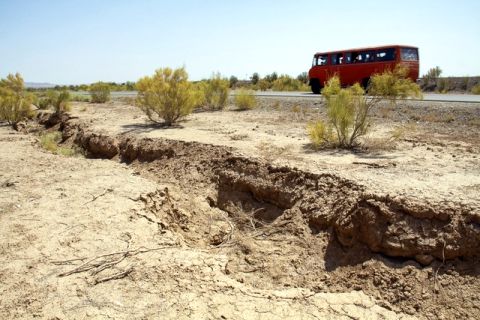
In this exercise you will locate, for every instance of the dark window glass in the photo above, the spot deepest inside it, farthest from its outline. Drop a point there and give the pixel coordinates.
(367, 56)
(385, 54)
(357, 57)
(336, 58)
(348, 57)
(409, 54)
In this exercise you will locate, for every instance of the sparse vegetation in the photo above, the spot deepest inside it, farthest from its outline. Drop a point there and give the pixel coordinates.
(393, 85)
(432, 74)
(255, 78)
(216, 92)
(50, 140)
(15, 102)
(287, 83)
(233, 82)
(100, 92)
(348, 109)
(59, 101)
(476, 89)
(245, 99)
(167, 95)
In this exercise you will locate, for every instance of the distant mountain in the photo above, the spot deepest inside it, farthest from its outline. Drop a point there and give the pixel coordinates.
(39, 85)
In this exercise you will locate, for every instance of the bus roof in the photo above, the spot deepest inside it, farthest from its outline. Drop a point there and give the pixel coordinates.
(367, 48)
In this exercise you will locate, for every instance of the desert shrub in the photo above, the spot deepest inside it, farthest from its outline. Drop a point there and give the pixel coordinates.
(287, 83)
(443, 85)
(59, 101)
(50, 140)
(303, 77)
(393, 85)
(167, 95)
(432, 74)
(255, 78)
(320, 133)
(216, 92)
(476, 89)
(264, 85)
(430, 78)
(245, 99)
(348, 109)
(80, 98)
(233, 82)
(100, 92)
(15, 102)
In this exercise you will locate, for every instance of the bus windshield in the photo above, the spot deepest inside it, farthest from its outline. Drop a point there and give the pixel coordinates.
(409, 54)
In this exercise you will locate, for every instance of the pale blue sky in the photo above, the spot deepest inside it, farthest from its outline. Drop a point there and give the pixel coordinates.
(72, 42)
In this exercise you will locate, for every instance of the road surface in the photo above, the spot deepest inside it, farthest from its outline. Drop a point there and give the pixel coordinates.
(448, 97)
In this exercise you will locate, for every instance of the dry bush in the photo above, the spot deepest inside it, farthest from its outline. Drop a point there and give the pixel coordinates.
(348, 109)
(167, 95)
(15, 102)
(476, 89)
(320, 134)
(59, 101)
(100, 92)
(216, 91)
(287, 83)
(394, 84)
(245, 99)
(50, 140)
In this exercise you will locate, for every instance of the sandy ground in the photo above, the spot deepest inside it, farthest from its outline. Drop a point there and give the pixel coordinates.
(59, 212)
(91, 238)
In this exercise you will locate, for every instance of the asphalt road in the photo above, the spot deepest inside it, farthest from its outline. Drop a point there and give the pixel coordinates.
(426, 96)
(448, 97)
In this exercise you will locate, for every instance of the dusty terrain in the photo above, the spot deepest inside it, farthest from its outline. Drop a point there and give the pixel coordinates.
(233, 215)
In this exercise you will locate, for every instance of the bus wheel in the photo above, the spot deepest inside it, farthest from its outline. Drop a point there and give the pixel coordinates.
(366, 84)
(315, 85)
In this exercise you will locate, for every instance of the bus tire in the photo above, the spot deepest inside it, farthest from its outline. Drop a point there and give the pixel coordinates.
(366, 84)
(315, 85)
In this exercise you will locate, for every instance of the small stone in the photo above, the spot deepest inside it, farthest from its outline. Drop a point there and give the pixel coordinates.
(424, 259)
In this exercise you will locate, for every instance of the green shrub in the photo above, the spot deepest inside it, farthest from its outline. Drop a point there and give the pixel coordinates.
(393, 85)
(255, 78)
(59, 101)
(320, 134)
(216, 92)
(245, 99)
(348, 109)
(100, 92)
(476, 89)
(233, 82)
(167, 95)
(264, 85)
(50, 140)
(443, 85)
(432, 74)
(287, 83)
(15, 102)
(80, 98)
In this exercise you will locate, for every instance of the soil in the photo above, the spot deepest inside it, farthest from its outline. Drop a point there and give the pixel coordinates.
(234, 215)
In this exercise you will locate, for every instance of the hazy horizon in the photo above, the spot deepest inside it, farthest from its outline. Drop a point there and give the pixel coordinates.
(79, 42)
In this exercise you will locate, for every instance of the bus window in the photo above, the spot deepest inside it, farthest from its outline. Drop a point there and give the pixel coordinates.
(348, 57)
(336, 58)
(409, 54)
(367, 56)
(357, 57)
(385, 54)
(322, 60)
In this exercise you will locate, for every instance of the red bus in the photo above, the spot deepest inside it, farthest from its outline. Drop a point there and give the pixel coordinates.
(358, 65)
